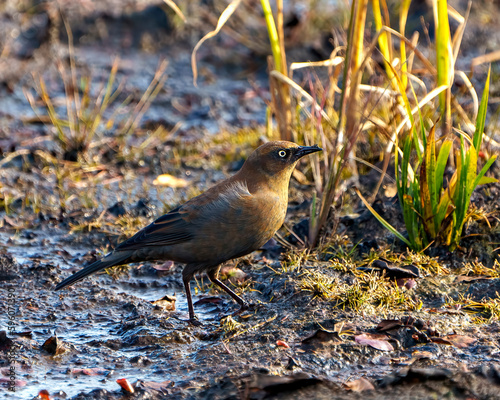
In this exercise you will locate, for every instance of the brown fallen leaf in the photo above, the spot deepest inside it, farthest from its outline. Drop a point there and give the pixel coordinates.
(89, 371)
(170, 181)
(125, 384)
(460, 341)
(377, 341)
(232, 274)
(322, 337)
(209, 300)
(359, 385)
(391, 270)
(406, 283)
(166, 266)
(17, 382)
(158, 386)
(466, 278)
(12, 222)
(420, 355)
(54, 346)
(166, 302)
(273, 384)
(388, 324)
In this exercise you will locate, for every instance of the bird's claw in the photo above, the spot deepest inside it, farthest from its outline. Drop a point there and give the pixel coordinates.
(194, 321)
(244, 307)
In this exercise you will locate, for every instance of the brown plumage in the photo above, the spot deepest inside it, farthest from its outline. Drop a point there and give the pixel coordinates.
(230, 220)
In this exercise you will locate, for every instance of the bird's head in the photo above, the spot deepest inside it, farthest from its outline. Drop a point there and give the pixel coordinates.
(277, 159)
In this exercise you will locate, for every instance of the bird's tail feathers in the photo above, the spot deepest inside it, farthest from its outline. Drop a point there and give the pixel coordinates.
(110, 260)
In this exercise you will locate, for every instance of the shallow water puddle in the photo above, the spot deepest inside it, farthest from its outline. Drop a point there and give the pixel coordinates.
(110, 329)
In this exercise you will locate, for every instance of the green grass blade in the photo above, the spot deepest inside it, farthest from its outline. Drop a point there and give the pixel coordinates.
(471, 174)
(383, 40)
(403, 16)
(481, 115)
(430, 156)
(406, 163)
(443, 51)
(484, 180)
(425, 196)
(481, 179)
(422, 128)
(273, 34)
(441, 162)
(402, 92)
(379, 218)
(411, 218)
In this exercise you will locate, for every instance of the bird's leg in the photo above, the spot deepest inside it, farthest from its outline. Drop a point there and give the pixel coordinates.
(212, 275)
(186, 278)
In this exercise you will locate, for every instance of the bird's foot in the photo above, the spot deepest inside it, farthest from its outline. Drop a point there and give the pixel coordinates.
(194, 321)
(244, 307)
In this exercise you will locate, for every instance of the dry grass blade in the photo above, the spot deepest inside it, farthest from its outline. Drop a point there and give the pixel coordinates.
(278, 75)
(484, 59)
(473, 93)
(431, 95)
(331, 62)
(229, 10)
(176, 9)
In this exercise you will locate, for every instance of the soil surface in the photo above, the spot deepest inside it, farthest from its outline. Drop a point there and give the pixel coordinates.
(361, 317)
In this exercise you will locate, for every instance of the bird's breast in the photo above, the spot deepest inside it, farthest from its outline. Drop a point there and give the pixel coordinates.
(235, 226)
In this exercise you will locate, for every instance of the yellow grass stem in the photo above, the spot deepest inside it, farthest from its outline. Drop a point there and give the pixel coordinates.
(444, 59)
(273, 35)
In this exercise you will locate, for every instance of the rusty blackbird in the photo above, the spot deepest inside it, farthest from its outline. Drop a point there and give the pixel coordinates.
(230, 220)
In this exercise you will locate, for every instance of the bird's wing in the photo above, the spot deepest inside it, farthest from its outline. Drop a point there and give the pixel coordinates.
(217, 205)
(171, 228)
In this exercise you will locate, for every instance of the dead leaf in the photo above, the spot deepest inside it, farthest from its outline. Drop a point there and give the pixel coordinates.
(167, 302)
(54, 346)
(170, 181)
(460, 341)
(158, 386)
(282, 344)
(89, 371)
(388, 324)
(376, 341)
(406, 283)
(209, 300)
(232, 274)
(322, 336)
(17, 382)
(466, 278)
(12, 222)
(125, 384)
(279, 384)
(166, 266)
(359, 385)
(391, 270)
(422, 355)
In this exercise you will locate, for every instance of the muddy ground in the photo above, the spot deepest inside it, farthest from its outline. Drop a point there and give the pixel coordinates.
(359, 317)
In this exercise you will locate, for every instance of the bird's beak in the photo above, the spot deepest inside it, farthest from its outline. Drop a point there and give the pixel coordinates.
(305, 150)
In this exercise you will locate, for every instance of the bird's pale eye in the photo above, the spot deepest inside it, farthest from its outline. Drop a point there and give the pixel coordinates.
(282, 153)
